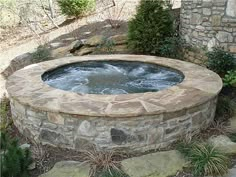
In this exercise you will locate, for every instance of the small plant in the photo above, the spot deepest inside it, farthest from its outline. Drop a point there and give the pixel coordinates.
(107, 46)
(102, 161)
(230, 79)
(5, 113)
(232, 136)
(14, 160)
(152, 24)
(171, 47)
(220, 61)
(225, 108)
(41, 54)
(76, 8)
(206, 160)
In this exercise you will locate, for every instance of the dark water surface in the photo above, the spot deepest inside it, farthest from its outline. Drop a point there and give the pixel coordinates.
(112, 77)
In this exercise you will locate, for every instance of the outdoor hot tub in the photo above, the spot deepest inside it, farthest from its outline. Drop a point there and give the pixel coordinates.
(131, 102)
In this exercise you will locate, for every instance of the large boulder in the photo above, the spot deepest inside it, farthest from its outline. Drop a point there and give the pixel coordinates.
(95, 40)
(63, 51)
(67, 169)
(119, 39)
(160, 164)
(233, 123)
(84, 51)
(223, 143)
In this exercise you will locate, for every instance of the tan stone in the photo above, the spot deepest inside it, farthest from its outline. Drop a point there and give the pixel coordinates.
(85, 51)
(119, 39)
(95, 40)
(68, 169)
(55, 118)
(62, 51)
(216, 20)
(232, 49)
(160, 164)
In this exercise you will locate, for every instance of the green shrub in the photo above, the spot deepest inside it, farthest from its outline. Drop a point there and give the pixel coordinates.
(76, 8)
(230, 79)
(152, 24)
(41, 54)
(171, 47)
(225, 108)
(205, 159)
(220, 61)
(14, 160)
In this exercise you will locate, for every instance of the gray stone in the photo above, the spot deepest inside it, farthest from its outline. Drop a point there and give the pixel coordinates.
(68, 169)
(211, 44)
(232, 172)
(25, 146)
(224, 36)
(233, 123)
(32, 166)
(196, 18)
(160, 164)
(118, 136)
(231, 8)
(86, 129)
(77, 46)
(51, 137)
(223, 143)
(206, 11)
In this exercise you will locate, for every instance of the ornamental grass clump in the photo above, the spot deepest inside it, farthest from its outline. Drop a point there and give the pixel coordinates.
(204, 158)
(152, 24)
(207, 160)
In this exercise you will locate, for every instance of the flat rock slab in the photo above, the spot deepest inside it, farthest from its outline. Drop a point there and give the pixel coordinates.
(68, 169)
(224, 144)
(160, 164)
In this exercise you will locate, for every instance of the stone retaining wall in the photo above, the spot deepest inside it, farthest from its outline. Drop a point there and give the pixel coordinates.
(140, 121)
(209, 23)
(137, 133)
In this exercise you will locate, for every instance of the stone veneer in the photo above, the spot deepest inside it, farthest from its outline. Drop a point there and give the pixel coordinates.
(208, 23)
(141, 121)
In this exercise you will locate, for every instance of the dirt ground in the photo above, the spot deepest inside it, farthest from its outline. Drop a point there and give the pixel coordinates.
(123, 10)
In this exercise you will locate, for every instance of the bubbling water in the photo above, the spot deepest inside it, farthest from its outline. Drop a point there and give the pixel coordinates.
(112, 77)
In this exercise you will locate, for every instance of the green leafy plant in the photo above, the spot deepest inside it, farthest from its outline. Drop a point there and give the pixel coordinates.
(152, 24)
(230, 79)
(5, 113)
(76, 8)
(172, 47)
(41, 54)
(14, 160)
(225, 108)
(220, 61)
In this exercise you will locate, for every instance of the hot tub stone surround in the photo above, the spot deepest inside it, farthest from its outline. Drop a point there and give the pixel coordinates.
(141, 122)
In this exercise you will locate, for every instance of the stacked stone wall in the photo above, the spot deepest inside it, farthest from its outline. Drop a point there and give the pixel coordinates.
(138, 133)
(209, 23)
